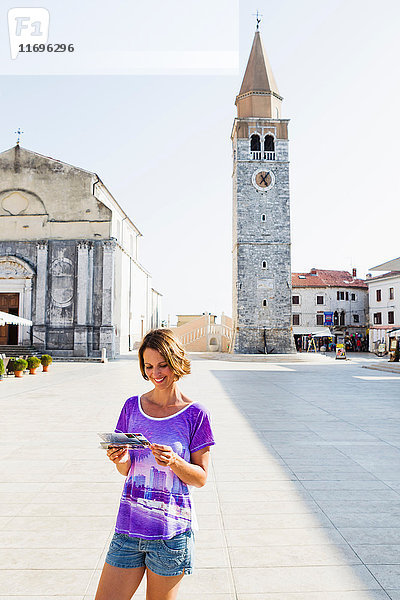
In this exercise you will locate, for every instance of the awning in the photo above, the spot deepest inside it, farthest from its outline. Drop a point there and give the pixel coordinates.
(314, 331)
(7, 319)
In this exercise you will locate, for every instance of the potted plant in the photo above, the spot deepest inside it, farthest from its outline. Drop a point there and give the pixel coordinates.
(2, 369)
(19, 367)
(46, 360)
(33, 363)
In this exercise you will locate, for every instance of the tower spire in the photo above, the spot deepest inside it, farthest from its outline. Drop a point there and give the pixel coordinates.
(259, 95)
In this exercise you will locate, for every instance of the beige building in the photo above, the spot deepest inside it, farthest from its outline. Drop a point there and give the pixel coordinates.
(384, 303)
(69, 260)
(201, 333)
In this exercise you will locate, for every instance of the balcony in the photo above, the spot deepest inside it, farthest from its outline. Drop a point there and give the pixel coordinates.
(262, 155)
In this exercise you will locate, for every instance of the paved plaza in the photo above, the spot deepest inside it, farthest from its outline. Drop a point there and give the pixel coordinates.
(303, 497)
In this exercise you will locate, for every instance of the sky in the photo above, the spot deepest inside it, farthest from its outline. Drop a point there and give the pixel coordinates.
(152, 116)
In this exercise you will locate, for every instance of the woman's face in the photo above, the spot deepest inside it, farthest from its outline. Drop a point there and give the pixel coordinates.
(157, 369)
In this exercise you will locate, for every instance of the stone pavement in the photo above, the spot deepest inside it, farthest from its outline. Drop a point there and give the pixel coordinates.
(302, 501)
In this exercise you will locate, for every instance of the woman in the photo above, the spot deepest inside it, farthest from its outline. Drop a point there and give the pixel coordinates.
(155, 522)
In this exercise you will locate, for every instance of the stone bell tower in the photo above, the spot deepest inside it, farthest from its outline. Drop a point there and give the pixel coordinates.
(261, 213)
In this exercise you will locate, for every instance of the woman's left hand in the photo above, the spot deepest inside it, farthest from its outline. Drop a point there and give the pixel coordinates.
(164, 455)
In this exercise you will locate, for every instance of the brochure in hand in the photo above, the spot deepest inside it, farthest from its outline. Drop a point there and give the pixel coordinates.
(132, 440)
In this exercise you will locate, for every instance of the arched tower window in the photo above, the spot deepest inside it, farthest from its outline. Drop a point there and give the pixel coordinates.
(264, 264)
(263, 218)
(255, 143)
(264, 302)
(269, 144)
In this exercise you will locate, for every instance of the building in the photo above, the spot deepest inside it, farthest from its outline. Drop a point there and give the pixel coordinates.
(69, 260)
(384, 303)
(336, 300)
(202, 333)
(261, 213)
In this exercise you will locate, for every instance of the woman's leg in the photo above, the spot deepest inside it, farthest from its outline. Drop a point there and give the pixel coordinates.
(162, 588)
(118, 584)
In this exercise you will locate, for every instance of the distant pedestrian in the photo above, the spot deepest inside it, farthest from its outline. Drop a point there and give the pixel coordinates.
(156, 520)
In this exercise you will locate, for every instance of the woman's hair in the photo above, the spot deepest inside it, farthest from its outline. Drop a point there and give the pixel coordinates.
(170, 348)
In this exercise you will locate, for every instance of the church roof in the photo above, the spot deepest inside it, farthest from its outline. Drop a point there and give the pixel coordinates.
(258, 76)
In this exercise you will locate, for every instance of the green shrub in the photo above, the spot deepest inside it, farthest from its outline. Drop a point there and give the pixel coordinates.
(2, 367)
(20, 364)
(33, 362)
(46, 360)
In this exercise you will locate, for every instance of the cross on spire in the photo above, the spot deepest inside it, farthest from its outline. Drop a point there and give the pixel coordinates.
(258, 19)
(19, 133)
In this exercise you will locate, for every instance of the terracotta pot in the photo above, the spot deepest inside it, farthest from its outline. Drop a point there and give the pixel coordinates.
(32, 371)
(45, 368)
(18, 373)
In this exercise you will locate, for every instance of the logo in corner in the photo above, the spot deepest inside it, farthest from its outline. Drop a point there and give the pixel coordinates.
(27, 26)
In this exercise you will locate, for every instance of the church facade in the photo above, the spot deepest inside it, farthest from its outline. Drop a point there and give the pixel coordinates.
(69, 261)
(261, 213)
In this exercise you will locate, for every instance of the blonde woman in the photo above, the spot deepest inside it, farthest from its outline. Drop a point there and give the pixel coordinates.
(155, 522)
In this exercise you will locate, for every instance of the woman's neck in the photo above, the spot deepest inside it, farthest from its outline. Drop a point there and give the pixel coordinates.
(171, 396)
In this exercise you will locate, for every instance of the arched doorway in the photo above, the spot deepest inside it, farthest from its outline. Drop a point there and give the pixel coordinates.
(15, 298)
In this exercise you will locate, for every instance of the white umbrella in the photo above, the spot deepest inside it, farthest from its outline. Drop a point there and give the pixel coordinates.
(7, 319)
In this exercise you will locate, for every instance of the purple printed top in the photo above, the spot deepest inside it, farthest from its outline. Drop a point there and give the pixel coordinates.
(155, 503)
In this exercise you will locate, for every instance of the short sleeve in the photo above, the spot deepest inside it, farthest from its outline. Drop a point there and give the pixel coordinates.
(202, 433)
(121, 426)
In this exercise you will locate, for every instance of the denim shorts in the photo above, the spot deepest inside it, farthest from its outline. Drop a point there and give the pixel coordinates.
(164, 557)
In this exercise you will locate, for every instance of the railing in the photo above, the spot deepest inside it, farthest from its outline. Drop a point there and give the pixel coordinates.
(262, 155)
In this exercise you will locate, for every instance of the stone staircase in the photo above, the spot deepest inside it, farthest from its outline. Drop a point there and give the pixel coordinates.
(20, 351)
(388, 367)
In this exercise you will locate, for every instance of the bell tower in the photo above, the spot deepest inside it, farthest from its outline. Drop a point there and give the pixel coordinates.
(262, 293)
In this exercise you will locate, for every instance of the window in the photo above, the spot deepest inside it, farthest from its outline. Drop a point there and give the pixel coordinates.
(269, 145)
(378, 295)
(320, 319)
(391, 293)
(264, 302)
(342, 318)
(377, 318)
(391, 317)
(320, 299)
(263, 218)
(295, 299)
(347, 295)
(336, 318)
(264, 264)
(255, 143)
(353, 297)
(296, 319)
(340, 295)
(356, 318)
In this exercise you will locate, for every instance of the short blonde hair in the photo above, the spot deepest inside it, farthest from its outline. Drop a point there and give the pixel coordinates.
(170, 348)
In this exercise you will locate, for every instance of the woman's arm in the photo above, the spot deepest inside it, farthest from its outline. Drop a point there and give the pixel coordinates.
(193, 473)
(121, 458)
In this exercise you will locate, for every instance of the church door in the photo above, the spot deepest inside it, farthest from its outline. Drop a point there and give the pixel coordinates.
(9, 303)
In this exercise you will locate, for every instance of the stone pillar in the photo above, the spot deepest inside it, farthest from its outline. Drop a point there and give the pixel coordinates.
(82, 300)
(25, 332)
(107, 336)
(39, 328)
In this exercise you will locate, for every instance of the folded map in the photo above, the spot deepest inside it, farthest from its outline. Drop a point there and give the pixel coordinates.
(132, 440)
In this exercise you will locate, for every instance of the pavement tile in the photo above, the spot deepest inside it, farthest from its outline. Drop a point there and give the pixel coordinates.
(78, 539)
(283, 537)
(371, 535)
(378, 555)
(295, 556)
(387, 575)
(266, 521)
(303, 579)
(52, 558)
(43, 582)
(273, 507)
(353, 595)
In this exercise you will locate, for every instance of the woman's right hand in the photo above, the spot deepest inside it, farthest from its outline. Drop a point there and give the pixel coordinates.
(118, 455)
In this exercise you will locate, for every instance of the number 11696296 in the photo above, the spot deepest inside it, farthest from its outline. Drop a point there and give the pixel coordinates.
(46, 48)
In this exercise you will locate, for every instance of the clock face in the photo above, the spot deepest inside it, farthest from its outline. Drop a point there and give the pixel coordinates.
(263, 179)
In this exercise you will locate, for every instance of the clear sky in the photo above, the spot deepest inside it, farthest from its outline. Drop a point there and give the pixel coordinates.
(161, 141)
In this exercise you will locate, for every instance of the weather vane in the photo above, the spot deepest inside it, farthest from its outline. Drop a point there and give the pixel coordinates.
(19, 133)
(258, 19)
